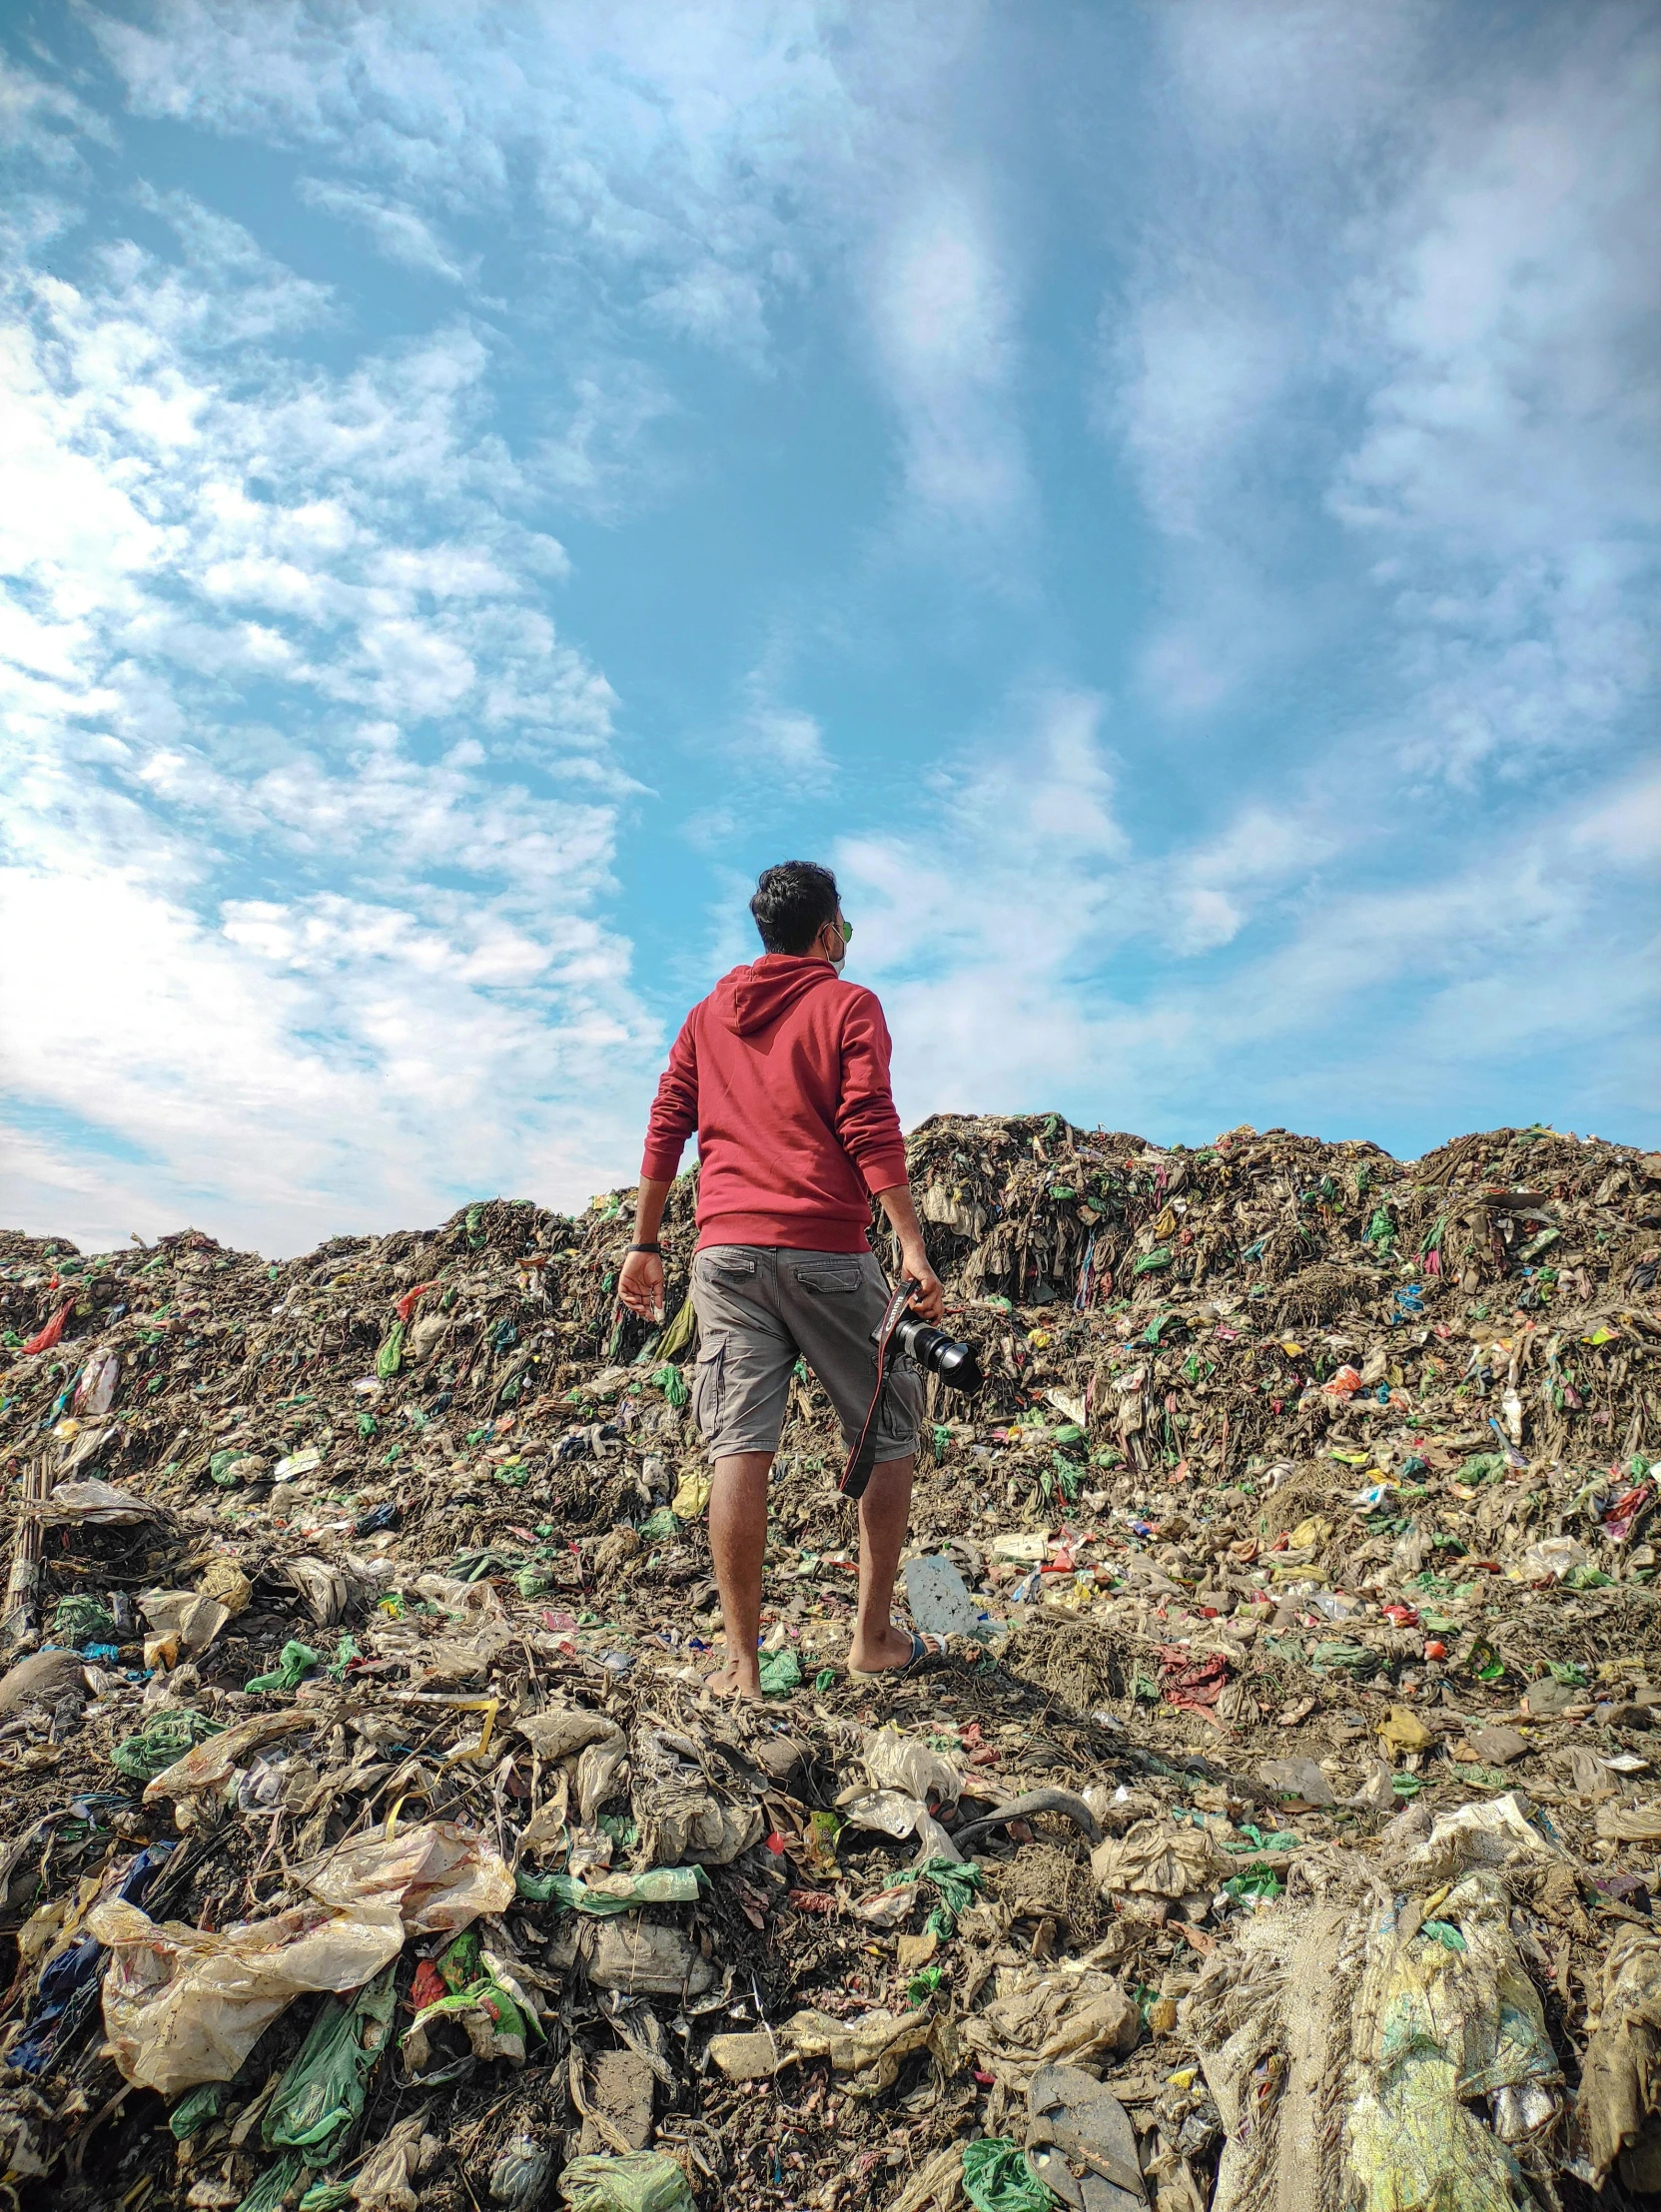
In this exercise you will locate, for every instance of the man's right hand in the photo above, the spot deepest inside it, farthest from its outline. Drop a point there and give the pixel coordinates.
(928, 1301)
(640, 1285)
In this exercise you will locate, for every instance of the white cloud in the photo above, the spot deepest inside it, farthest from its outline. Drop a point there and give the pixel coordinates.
(1009, 939)
(398, 232)
(702, 168)
(428, 999)
(1511, 469)
(944, 313)
(40, 122)
(1348, 221)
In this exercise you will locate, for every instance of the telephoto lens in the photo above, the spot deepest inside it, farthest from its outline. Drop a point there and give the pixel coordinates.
(957, 1365)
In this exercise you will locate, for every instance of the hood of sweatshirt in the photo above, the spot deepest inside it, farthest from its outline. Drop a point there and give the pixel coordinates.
(753, 998)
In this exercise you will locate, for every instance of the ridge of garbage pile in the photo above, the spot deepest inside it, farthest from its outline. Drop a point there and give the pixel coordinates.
(1282, 1831)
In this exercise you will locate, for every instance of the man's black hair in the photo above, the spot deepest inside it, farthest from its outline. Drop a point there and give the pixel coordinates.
(792, 904)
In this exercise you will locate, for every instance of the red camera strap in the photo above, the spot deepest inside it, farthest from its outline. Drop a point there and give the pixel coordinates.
(857, 1473)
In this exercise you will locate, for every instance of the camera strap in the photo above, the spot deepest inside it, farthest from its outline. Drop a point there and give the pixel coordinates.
(857, 1473)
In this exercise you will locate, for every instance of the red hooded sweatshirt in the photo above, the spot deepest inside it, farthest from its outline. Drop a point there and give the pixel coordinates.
(783, 1072)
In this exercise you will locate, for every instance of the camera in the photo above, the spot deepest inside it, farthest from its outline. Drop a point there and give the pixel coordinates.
(957, 1365)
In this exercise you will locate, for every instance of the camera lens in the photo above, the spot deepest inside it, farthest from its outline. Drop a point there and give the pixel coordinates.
(957, 1365)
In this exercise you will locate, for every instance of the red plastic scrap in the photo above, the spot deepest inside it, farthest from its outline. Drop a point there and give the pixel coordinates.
(407, 1304)
(1189, 1684)
(1617, 1522)
(48, 1336)
(427, 1987)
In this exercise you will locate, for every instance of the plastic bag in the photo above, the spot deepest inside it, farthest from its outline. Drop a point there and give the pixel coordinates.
(79, 1619)
(213, 1760)
(894, 1762)
(321, 2092)
(402, 2156)
(164, 1739)
(1620, 2081)
(97, 1504)
(436, 1876)
(521, 2172)
(997, 2178)
(190, 1614)
(691, 1499)
(184, 2004)
(604, 1895)
(293, 1665)
(479, 1993)
(1157, 1859)
(644, 2181)
(939, 1599)
(95, 1392)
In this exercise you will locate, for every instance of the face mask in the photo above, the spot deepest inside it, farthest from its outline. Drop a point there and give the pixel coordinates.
(839, 960)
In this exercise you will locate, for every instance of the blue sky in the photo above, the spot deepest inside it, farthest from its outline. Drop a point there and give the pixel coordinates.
(1163, 497)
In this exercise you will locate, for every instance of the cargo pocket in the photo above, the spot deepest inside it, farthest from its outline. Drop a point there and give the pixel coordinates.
(826, 1280)
(706, 1387)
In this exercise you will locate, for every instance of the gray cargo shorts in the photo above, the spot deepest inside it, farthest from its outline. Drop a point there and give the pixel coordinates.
(758, 1308)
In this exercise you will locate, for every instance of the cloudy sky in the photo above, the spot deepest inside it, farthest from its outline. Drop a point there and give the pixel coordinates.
(1164, 497)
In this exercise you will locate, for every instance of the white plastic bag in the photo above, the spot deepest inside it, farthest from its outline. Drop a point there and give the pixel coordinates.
(894, 1763)
(438, 1877)
(183, 2004)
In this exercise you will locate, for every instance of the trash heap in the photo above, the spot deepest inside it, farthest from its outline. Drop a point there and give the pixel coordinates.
(1283, 1832)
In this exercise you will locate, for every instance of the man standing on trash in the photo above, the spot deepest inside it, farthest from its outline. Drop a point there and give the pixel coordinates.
(783, 1072)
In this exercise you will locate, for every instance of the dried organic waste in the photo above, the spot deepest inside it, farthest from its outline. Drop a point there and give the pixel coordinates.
(370, 1841)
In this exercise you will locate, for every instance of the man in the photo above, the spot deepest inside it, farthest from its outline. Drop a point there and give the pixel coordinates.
(783, 1072)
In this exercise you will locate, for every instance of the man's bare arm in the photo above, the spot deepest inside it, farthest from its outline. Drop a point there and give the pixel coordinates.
(929, 1298)
(640, 1285)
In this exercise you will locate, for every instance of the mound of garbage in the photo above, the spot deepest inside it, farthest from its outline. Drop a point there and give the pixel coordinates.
(1282, 1836)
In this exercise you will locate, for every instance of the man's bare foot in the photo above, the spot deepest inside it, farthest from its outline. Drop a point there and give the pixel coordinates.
(887, 1651)
(735, 1681)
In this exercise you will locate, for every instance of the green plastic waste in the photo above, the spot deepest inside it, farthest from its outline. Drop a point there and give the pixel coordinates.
(780, 1674)
(272, 2185)
(1350, 1659)
(954, 1883)
(326, 2196)
(321, 2092)
(168, 1735)
(997, 2178)
(389, 1358)
(671, 1382)
(644, 2181)
(81, 1620)
(626, 1893)
(1257, 1881)
(296, 1664)
(197, 2107)
(658, 1526)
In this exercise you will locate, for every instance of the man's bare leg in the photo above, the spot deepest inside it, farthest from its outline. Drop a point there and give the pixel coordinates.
(737, 1543)
(884, 1514)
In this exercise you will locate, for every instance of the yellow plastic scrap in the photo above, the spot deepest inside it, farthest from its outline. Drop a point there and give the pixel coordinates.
(480, 1743)
(1309, 1533)
(1405, 1732)
(1440, 2023)
(692, 1497)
